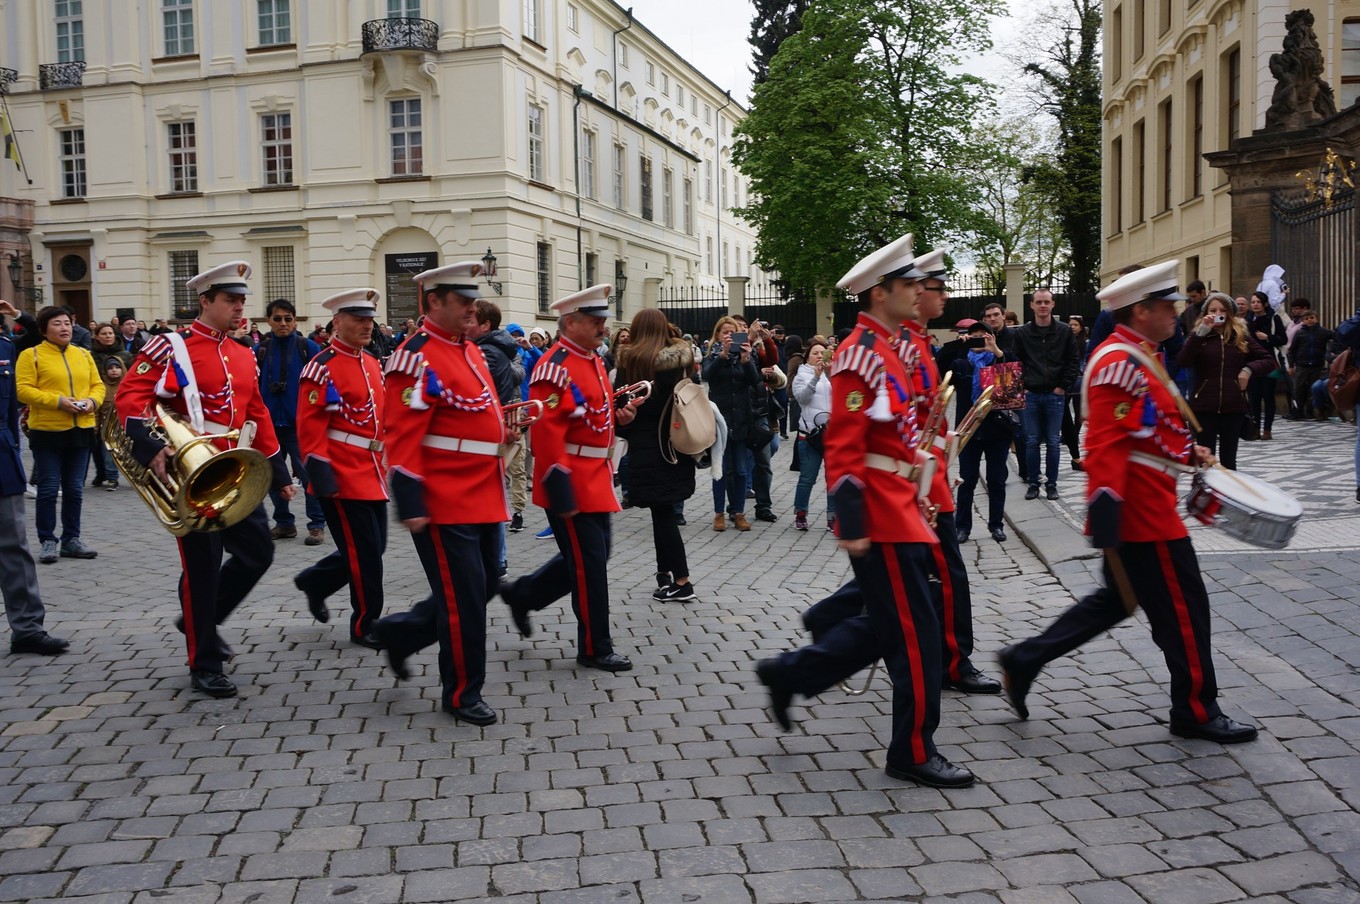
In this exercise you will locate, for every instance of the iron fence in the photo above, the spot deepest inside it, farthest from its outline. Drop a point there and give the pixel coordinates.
(1315, 241)
(400, 34)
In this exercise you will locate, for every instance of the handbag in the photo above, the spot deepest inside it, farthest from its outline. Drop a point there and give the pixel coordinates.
(1008, 385)
(1251, 431)
(1343, 381)
(688, 427)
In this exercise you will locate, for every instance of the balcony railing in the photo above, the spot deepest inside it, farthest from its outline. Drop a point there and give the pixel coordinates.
(381, 35)
(7, 77)
(52, 76)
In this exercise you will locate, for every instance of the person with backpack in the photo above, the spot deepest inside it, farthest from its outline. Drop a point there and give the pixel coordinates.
(281, 356)
(658, 476)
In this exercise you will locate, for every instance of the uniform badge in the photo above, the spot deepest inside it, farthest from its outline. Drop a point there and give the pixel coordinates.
(143, 368)
(854, 401)
(554, 400)
(1122, 410)
(406, 395)
(312, 397)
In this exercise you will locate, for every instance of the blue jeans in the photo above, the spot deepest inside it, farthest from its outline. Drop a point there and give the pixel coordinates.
(1043, 424)
(283, 517)
(1357, 446)
(809, 466)
(734, 482)
(62, 468)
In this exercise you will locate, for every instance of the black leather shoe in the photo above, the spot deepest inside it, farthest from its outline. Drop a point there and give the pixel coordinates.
(609, 662)
(214, 684)
(972, 681)
(1220, 730)
(519, 609)
(476, 714)
(766, 515)
(767, 670)
(1051, 494)
(963, 536)
(936, 772)
(998, 535)
(1015, 682)
(316, 604)
(370, 640)
(43, 644)
(1032, 493)
(395, 661)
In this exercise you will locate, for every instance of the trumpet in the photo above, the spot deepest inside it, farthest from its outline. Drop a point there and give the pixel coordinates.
(970, 423)
(521, 414)
(634, 392)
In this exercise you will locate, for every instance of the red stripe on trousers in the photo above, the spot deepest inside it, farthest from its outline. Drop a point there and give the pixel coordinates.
(1173, 584)
(451, 607)
(951, 642)
(908, 623)
(583, 598)
(186, 605)
(355, 578)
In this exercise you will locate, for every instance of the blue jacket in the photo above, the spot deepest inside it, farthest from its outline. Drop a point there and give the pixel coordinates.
(12, 479)
(528, 356)
(281, 361)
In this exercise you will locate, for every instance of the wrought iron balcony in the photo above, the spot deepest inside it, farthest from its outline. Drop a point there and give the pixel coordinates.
(7, 77)
(52, 76)
(382, 35)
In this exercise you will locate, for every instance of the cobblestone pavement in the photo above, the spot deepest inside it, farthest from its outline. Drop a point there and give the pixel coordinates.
(327, 781)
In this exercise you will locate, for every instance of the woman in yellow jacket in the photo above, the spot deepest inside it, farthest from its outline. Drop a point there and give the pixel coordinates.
(61, 386)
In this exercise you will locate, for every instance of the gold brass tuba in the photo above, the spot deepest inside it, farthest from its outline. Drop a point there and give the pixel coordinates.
(208, 489)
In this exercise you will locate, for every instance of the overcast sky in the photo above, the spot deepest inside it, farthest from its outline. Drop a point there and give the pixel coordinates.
(711, 35)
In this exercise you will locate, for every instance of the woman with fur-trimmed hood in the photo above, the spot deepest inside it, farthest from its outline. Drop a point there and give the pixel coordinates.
(658, 478)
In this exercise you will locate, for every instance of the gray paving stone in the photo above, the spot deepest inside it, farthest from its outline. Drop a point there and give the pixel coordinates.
(803, 885)
(1284, 873)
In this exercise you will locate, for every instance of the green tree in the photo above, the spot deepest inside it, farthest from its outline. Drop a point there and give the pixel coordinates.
(860, 131)
(774, 21)
(1068, 88)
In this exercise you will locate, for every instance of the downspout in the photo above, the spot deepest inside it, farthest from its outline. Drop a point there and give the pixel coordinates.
(615, 39)
(717, 132)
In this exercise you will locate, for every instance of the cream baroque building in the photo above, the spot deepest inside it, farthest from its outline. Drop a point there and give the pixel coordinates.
(343, 143)
(1183, 79)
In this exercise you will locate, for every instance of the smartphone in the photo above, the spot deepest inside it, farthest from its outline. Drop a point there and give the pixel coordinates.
(976, 342)
(739, 339)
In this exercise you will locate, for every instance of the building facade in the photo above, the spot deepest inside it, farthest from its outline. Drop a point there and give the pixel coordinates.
(1183, 79)
(343, 143)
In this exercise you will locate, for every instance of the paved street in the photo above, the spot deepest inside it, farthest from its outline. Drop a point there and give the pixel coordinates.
(328, 781)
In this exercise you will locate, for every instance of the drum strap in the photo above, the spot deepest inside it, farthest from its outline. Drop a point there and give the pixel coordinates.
(1151, 365)
(1165, 465)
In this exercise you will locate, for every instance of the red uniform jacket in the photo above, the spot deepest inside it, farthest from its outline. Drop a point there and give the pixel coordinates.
(442, 428)
(228, 385)
(339, 423)
(575, 436)
(925, 381)
(867, 360)
(1131, 415)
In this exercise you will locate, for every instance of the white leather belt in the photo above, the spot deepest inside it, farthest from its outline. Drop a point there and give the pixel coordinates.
(1165, 465)
(215, 428)
(891, 465)
(354, 439)
(454, 444)
(940, 442)
(589, 451)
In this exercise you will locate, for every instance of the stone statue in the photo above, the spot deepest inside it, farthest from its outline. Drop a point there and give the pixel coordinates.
(1301, 96)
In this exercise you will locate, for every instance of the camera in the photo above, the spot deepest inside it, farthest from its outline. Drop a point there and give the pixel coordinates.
(1220, 318)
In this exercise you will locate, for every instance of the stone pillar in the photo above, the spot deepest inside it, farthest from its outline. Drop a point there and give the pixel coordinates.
(1015, 289)
(826, 313)
(736, 295)
(651, 291)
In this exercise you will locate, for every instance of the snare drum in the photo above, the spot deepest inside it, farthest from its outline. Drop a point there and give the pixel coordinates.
(1244, 507)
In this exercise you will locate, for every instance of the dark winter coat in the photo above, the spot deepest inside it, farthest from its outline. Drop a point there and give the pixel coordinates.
(502, 359)
(1048, 356)
(729, 387)
(1216, 364)
(652, 480)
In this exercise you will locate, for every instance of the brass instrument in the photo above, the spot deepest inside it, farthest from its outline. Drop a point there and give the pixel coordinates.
(207, 489)
(971, 422)
(924, 470)
(519, 415)
(868, 679)
(634, 392)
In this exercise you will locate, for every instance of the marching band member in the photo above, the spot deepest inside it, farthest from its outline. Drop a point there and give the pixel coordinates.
(443, 432)
(339, 426)
(211, 381)
(572, 446)
(870, 452)
(1137, 441)
(953, 601)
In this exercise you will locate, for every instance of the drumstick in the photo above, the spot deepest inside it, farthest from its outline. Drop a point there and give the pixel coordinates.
(1242, 483)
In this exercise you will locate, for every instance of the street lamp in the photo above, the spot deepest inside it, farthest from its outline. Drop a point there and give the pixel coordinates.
(489, 270)
(620, 286)
(15, 269)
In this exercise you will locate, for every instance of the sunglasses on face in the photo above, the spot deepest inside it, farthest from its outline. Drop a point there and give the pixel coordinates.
(284, 318)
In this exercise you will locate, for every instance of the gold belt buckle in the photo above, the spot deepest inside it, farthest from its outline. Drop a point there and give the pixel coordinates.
(375, 445)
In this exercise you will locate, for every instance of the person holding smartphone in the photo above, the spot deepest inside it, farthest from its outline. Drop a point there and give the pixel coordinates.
(1224, 359)
(731, 373)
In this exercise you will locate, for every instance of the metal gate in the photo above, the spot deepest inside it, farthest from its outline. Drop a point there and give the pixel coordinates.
(1314, 239)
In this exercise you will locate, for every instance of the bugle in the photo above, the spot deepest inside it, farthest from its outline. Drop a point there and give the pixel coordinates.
(971, 422)
(634, 392)
(519, 415)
